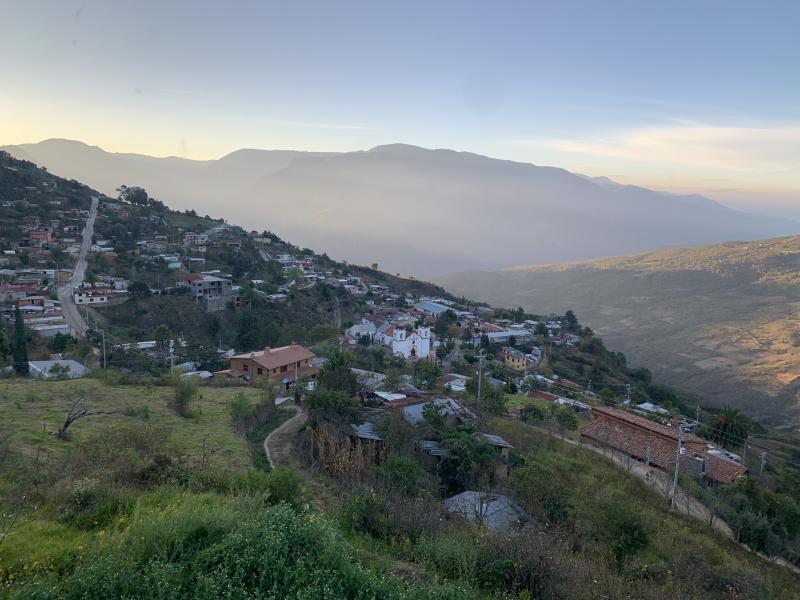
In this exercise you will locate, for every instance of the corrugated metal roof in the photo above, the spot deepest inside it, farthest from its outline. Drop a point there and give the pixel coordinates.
(366, 431)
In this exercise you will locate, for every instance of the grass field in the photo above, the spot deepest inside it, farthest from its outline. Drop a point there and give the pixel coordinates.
(30, 410)
(516, 401)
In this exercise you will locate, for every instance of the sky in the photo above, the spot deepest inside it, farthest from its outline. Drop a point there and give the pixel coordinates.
(687, 96)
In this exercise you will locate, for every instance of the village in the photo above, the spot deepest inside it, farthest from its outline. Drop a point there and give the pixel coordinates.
(444, 358)
(350, 378)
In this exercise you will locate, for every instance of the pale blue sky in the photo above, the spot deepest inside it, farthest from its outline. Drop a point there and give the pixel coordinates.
(686, 95)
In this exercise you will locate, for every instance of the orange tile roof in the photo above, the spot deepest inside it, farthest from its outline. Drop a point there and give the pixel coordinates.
(722, 470)
(646, 424)
(645, 440)
(272, 358)
(633, 441)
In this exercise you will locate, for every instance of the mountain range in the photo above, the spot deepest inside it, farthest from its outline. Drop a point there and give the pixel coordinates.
(719, 321)
(414, 210)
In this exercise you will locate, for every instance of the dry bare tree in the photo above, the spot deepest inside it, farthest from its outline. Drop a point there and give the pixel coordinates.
(78, 410)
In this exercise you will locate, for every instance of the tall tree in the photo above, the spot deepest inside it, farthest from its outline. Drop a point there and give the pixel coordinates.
(20, 344)
(730, 427)
(336, 374)
(5, 346)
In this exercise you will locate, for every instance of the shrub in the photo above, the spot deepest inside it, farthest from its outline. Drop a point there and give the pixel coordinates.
(186, 391)
(206, 550)
(400, 473)
(285, 486)
(89, 503)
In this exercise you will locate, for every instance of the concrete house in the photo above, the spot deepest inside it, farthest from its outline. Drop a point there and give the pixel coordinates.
(283, 365)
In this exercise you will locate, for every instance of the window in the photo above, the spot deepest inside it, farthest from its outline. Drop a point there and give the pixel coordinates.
(246, 367)
(284, 368)
(260, 371)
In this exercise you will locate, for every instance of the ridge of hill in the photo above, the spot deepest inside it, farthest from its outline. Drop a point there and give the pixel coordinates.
(391, 203)
(721, 321)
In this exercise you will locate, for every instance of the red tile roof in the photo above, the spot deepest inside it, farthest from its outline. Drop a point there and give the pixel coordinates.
(654, 443)
(646, 424)
(272, 358)
(633, 441)
(721, 470)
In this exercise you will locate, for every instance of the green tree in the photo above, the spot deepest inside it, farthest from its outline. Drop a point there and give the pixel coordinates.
(139, 289)
(400, 473)
(162, 338)
(624, 530)
(466, 463)
(133, 195)
(186, 392)
(730, 427)
(434, 418)
(337, 374)
(20, 353)
(425, 374)
(321, 332)
(570, 321)
(566, 419)
(493, 401)
(59, 343)
(5, 345)
(338, 407)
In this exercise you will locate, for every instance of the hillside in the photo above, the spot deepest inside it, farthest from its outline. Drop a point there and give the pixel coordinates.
(147, 500)
(720, 321)
(415, 210)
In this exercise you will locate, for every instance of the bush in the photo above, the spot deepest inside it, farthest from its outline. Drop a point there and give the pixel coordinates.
(400, 473)
(624, 531)
(285, 486)
(208, 552)
(240, 409)
(186, 392)
(450, 557)
(89, 503)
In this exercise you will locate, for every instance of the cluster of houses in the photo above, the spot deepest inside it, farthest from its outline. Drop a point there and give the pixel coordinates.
(395, 330)
(44, 235)
(33, 291)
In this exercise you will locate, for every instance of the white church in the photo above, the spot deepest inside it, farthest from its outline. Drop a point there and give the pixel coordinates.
(413, 344)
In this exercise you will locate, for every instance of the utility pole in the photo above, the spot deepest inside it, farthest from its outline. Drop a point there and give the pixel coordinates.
(677, 468)
(172, 355)
(105, 363)
(480, 376)
(627, 394)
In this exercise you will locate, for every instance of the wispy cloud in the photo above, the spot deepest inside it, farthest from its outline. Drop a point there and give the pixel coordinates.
(742, 149)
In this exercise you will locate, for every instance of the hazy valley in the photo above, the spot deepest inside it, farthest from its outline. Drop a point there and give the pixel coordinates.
(722, 321)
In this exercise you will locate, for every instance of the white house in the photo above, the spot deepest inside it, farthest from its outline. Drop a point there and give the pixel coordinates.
(414, 344)
(51, 369)
(90, 296)
(364, 328)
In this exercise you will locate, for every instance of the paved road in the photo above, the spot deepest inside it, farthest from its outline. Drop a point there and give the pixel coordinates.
(71, 313)
(278, 444)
